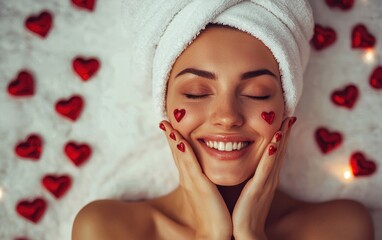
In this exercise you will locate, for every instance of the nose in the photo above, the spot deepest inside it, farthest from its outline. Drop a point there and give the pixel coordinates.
(226, 113)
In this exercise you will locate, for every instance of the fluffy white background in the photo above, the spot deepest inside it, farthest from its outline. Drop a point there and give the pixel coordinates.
(130, 158)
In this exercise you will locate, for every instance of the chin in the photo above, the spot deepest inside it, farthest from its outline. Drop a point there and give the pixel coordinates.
(226, 179)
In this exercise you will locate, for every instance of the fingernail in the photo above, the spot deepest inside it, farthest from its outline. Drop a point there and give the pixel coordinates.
(161, 126)
(181, 147)
(272, 149)
(172, 135)
(292, 121)
(278, 136)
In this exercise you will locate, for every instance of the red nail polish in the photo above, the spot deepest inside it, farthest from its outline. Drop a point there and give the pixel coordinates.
(292, 121)
(278, 136)
(272, 149)
(181, 147)
(172, 135)
(162, 126)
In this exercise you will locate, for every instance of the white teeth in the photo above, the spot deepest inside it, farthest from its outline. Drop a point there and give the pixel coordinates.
(226, 146)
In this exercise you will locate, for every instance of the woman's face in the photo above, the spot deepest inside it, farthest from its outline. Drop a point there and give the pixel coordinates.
(226, 83)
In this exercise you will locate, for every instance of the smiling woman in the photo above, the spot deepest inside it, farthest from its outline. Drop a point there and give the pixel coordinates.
(228, 99)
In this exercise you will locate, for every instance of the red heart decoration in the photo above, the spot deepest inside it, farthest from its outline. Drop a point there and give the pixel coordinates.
(23, 85)
(361, 38)
(21, 238)
(323, 37)
(77, 153)
(85, 68)
(57, 185)
(342, 4)
(85, 4)
(268, 117)
(345, 97)
(40, 24)
(179, 114)
(326, 140)
(360, 165)
(31, 148)
(376, 78)
(32, 210)
(70, 108)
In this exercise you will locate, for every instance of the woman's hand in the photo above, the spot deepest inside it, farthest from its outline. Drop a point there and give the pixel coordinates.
(252, 207)
(212, 217)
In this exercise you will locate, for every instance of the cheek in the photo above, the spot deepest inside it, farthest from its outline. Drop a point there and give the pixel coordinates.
(185, 118)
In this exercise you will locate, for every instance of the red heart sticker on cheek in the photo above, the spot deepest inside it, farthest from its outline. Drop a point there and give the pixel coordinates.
(32, 210)
(323, 37)
(326, 140)
(57, 185)
(70, 108)
(77, 153)
(23, 85)
(85, 4)
(360, 165)
(346, 97)
(31, 148)
(85, 68)
(40, 24)
(361, 38)
(179, 114)
(376, 78)
(268, 117)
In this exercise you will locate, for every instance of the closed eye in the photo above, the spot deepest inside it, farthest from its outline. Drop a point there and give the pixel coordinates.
(194, 96)
(258, 97)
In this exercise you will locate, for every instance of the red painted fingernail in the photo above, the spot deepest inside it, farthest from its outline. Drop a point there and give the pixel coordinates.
(172, 135)
(181, 147)
(272, 149)
(278, 136)
(292, 121)
(161, 126)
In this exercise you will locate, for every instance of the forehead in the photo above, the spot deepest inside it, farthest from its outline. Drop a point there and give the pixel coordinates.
(225, 46)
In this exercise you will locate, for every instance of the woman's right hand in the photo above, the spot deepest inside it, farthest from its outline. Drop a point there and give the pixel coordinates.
(213, 220)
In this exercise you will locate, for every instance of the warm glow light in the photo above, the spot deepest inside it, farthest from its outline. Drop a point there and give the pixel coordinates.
(347, 174)
(1, 194)
(369, 55)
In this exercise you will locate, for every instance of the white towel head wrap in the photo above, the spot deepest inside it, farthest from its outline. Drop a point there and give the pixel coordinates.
(162, 29)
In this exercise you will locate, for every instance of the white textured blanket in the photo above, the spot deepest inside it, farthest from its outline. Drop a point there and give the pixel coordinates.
(74, 127)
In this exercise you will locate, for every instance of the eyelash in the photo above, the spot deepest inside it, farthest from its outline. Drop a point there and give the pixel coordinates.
(192, 96)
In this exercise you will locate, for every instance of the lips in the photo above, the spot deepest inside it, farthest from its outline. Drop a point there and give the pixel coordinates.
(226, 147)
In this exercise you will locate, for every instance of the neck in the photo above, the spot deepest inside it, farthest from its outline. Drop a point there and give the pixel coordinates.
(230, 194)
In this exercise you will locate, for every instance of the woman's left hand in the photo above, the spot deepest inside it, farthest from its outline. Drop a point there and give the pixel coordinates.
(252, 207)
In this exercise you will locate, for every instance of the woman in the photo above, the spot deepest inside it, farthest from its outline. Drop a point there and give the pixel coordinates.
(227, 99)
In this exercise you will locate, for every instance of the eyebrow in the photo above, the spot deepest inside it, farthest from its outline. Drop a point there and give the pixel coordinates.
(212, 76)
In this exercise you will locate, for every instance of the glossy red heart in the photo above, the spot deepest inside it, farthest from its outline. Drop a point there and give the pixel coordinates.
(326, 140)
(32, 210)
(342, 4)
(376, 78)
(346, 97)
(77, 153)
(85, 68)
(85, 4)
(70, 108)
(57, 185)
(360, 165)
(323, 37)
(31, 148)
(268, 117)
(179, 114)
(40, 24)
(361, 38)
(21, 238)
(23, 85)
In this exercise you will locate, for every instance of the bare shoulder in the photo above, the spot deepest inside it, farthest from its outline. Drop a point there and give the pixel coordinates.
(337, 219)
(113, 219)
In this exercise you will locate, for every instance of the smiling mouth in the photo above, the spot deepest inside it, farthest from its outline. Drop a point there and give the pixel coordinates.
(226, 146)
